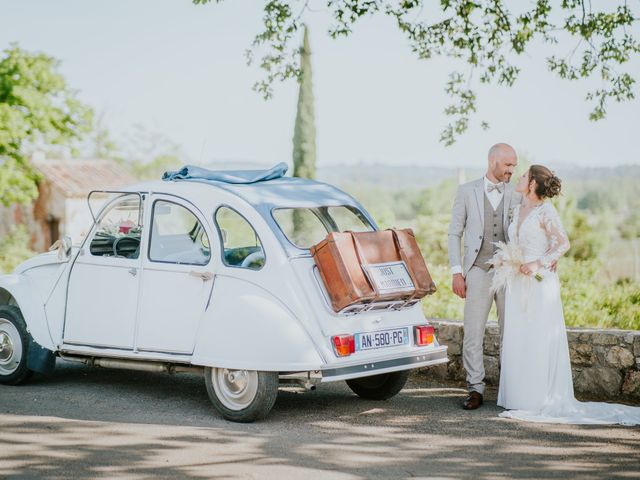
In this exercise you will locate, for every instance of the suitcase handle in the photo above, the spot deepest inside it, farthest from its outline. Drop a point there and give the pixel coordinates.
(361, 261)
(403, 257)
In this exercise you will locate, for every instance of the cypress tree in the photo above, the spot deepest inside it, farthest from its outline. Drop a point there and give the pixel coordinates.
(304, 135)
(304, 138)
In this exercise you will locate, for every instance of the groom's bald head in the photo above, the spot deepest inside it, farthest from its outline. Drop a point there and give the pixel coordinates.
(502, 162)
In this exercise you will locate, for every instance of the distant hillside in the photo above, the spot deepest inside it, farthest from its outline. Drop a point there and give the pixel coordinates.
(395, 177)
(572, 172)
(417, 177)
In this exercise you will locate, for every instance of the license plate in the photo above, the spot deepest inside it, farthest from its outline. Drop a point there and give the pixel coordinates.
(390, 277)
(382, 339)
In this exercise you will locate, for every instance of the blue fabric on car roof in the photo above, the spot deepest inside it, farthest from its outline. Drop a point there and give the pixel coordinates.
(191, 172)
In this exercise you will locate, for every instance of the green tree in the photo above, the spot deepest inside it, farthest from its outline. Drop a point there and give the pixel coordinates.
(586, 232)
(304, 134)
(100, 142)
(486, 36)
(154, 169)
(148, 154)
(630, 225)
(14, 249)
(36, 108)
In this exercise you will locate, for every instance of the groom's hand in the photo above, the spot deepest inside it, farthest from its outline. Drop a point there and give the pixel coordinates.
(458, 286)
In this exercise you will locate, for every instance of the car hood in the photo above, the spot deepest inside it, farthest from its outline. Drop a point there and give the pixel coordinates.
(48, 258)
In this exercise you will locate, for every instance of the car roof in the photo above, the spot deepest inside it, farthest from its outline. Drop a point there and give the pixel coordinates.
(277, 193)
(263, 196)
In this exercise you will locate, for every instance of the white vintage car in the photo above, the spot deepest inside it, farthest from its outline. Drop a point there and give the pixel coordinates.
(211, 275)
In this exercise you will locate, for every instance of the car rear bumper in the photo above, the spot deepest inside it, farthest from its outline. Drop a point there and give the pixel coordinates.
(435, 356)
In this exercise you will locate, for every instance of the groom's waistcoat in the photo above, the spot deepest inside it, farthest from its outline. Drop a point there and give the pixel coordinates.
(493, 232)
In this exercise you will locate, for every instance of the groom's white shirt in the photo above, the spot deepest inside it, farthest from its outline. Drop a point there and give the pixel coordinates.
(494, 195)
(467, 220)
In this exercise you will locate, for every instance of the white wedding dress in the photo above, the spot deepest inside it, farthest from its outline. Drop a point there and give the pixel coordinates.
(535, 378)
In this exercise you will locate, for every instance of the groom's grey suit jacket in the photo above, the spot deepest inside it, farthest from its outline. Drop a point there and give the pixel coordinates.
(467, 221)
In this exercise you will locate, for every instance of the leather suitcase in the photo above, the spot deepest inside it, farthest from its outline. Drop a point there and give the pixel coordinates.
(367, 267)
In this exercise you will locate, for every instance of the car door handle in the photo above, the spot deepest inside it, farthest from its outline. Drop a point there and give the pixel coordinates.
(205, 276)
(133, 271)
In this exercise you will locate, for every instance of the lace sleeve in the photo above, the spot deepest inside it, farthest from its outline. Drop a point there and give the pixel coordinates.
(558, 242)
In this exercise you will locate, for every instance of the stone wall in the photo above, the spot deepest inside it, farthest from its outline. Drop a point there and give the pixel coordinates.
(605, 363)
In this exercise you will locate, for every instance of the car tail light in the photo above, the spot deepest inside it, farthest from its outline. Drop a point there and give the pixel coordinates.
(344, 345)
(424, 334)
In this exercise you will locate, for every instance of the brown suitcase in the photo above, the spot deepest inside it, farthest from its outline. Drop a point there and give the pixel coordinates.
(349, 264)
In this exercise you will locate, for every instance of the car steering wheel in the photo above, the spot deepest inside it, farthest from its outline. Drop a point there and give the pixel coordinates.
(252, 257)
(117, 242)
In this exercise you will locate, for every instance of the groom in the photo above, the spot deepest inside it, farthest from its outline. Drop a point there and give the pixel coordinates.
(480, 216)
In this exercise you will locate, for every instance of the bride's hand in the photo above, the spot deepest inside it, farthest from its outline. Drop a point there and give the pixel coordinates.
(530, 268)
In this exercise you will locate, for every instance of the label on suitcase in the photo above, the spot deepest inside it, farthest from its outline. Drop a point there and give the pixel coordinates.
(389, 277)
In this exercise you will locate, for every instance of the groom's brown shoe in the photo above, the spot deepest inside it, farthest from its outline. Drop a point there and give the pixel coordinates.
(473, 401)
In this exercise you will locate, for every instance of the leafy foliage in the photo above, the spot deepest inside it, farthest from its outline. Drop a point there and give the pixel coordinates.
(145, 153)
(304, 135)
(590, 301)
(36, 108)
(584, 230)
(13, 249)
(486, 36)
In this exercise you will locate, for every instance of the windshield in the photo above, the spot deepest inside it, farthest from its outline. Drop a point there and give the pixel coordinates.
(305, 227)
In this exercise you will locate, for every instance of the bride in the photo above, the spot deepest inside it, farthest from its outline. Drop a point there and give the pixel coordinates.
(535, 378)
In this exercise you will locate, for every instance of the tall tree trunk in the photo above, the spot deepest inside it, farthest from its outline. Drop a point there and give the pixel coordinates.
(304, 135)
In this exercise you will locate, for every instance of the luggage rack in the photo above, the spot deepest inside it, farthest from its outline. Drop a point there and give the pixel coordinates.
(372, 306)
(377, 306)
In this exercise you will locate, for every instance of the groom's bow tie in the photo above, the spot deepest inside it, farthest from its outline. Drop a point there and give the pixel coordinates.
(491, 187)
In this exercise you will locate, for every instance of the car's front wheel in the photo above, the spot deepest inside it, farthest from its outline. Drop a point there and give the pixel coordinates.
(241, 395)
(379, 387)
(14, 346)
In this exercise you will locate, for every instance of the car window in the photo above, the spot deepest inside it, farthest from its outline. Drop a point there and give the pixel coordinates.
(118, 233)
(302, 226)
(305, 227)
(177, 236)
(241, 245)
(349, 219)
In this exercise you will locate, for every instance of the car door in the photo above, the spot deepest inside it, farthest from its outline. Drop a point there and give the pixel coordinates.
(102, 296)
(177, 279)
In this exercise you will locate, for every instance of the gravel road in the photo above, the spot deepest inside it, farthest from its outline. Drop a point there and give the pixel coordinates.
(88, 422)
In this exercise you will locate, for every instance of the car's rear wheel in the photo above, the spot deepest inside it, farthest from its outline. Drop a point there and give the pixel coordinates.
(14, 346)
(379, 387)
(241, 395)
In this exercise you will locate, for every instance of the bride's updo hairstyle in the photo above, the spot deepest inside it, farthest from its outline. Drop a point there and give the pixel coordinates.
(547, 184)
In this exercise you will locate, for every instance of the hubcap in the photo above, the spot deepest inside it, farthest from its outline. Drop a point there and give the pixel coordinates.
(10, 347)
(236, 389)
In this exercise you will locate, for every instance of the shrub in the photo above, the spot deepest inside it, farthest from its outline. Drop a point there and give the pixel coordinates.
(14, 249)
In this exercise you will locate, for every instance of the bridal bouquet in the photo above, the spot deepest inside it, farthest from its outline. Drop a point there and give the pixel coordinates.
(507, 261)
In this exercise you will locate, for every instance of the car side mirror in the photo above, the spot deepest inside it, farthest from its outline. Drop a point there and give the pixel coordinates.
(67, 246)
(64, 248)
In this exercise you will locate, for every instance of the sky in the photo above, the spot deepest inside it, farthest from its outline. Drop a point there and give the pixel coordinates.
(179, 69)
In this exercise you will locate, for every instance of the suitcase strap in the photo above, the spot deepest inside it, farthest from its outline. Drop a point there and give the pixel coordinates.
(362, 261)
(403, 257)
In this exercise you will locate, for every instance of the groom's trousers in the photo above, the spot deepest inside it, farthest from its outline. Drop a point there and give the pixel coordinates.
(476, 310)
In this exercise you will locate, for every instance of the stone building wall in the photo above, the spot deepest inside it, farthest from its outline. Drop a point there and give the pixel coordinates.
(605, 363)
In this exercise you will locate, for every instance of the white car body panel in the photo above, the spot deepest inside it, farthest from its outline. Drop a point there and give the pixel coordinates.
(171, 308)
(172, 300)
(102, 302)
(246, 326)
(30, 302)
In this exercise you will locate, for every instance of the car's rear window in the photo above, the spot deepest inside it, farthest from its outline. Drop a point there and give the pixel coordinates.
(305, 227)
